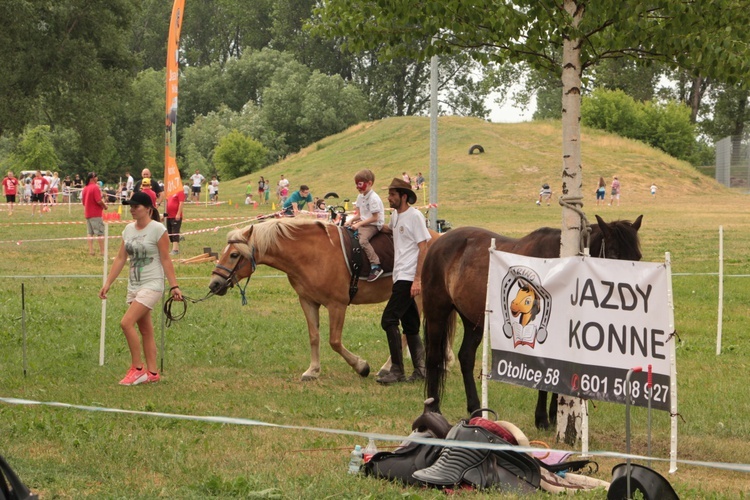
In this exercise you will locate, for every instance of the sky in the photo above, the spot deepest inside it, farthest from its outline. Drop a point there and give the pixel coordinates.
(508, 113)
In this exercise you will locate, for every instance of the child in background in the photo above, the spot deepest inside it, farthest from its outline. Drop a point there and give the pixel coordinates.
(544, 194)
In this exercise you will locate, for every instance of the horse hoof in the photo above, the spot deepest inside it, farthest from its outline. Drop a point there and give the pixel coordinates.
(309, 377)
(365, 372)
(383, 372)
(542, 426)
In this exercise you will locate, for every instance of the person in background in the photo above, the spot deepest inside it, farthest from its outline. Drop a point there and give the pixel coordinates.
(420, 180)
(406, 178)
(601, 191)
(545, 194)
(155, 187)
(129, 184)
(146, 187)
(39, 187)
(54, 187)
(249, 194)
(368, 219)
(410, 237)
(78, 187)
(146, 245)
(266, 191)
(175, 204)
(67, 183)
(197, 181)
(186, 191)
(10, 189)
(27, 189)
(93, 207)
(283, 183)
(296, 202)
(615, 194)
(261, 189)
(215, 184)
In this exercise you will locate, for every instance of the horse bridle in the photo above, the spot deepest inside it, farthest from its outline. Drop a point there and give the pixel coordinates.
(231, 274)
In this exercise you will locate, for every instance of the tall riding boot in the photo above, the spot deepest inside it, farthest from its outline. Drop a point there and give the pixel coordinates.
(417, 357)
(397, 358)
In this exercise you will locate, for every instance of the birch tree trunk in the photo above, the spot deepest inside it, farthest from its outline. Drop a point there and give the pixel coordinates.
(569, 410)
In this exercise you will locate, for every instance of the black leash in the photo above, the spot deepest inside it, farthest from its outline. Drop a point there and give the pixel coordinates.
(185, 299)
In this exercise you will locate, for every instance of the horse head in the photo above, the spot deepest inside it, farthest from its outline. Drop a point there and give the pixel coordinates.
(526, 304)
(617, 239)
(236, 262)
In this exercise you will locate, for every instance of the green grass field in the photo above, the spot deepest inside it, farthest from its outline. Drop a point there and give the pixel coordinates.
(223, 359)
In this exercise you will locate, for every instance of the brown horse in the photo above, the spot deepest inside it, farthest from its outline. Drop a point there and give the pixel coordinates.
(454, 280)
(310, 253)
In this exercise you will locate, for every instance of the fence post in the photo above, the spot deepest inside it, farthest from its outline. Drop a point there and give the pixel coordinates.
(721, 291)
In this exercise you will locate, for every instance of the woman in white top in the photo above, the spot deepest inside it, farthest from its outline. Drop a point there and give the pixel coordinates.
(146, 244)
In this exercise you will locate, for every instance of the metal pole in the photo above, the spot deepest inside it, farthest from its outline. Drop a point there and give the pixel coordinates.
(650, 386)
(163, 320)
(104, 301)
(721, 291)
(486, 340)
(433, 141)
(23, 325)
(627, 425)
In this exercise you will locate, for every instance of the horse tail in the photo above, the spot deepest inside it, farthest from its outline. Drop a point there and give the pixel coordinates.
(438, 341)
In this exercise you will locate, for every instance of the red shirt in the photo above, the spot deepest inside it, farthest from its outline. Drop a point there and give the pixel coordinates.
(173, 204)
(39, 185)
(10, 185)
(91, 196)
(151, 194)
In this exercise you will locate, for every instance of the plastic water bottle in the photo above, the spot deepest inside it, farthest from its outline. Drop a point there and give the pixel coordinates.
(355, 462)
(370, 450)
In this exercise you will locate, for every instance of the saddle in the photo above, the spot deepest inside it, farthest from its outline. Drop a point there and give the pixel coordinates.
(382, 243)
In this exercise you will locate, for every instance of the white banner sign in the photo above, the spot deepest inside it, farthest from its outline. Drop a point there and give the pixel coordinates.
(576, 325)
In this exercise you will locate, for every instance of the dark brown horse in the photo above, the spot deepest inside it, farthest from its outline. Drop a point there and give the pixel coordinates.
(454, 280)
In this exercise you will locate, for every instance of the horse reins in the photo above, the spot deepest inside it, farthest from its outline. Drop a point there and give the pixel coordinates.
(230, 277)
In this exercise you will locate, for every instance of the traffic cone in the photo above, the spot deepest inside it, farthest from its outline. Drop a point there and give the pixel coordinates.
(346, 205)
(273, 206)
(119, 209)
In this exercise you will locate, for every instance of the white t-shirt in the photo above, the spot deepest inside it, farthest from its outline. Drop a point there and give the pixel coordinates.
(283, 183)
(129, 183)
(409, 229)
(197, 179)
(370, 204)
(143, 252)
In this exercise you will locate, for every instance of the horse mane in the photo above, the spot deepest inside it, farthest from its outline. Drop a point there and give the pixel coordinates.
(266, 235)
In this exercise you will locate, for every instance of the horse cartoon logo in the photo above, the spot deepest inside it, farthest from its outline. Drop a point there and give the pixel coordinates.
(523, 300)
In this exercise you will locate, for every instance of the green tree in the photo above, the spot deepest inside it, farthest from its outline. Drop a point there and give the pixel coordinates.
(709, 36)
(238, 155)
(36, 151)
(62, 63)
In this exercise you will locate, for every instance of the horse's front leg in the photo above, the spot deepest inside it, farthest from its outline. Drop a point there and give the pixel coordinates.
(312, 315)
(336, 316)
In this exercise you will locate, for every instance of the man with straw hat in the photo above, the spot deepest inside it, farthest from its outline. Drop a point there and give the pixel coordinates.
(410, 237)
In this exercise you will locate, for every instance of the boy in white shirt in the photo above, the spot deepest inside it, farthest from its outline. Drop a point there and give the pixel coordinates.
(369, 219)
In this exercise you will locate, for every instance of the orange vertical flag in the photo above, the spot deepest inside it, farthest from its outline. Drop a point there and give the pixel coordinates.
(172, 180)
